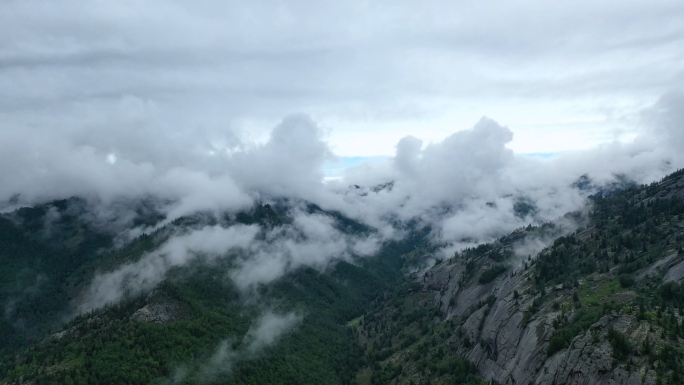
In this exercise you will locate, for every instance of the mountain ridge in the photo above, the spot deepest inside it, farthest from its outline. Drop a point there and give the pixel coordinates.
(573, 314)
(564, 302)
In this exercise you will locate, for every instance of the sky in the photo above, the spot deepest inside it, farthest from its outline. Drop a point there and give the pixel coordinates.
(563, 76)
(214, 105)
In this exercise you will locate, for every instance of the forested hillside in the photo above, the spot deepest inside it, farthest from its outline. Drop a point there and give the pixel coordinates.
(602, 303)
(40, 249)
(594, 296)
(196, 327)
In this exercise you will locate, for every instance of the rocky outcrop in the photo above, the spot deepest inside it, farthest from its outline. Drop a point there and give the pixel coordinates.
(160, 309)
(159, 313)
(509, 343)
(589, 360)
(675, 269)
(672, 188)
(508, 347)
(518, 331)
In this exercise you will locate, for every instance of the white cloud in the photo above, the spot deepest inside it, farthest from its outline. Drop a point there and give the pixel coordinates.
(471, 188)
(205, 170)
(289, 164)
(143, 275)
(259, 256)
(393, 68)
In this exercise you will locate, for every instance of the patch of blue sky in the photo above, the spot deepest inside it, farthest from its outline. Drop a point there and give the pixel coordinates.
(541, 155)
(335, 169)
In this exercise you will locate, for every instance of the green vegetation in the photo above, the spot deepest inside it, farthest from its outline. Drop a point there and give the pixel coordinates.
(320, 349)
(405, 342)
(627, 234)
(626, 280)
(566, 330)
(491, 274)
(40, 248)
(630, 231)
(622, 348)
(361, 322)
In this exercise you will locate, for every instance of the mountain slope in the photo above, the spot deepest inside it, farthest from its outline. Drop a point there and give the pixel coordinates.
(602, 304)
(40, 249)
(594, 297)
(198, 327)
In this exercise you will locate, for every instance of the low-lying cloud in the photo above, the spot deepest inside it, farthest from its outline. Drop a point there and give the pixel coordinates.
(146, 273)
(470, 188)
(265, 331)
(205, 171)
(257, 256)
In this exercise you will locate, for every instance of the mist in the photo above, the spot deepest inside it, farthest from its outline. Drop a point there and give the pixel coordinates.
(265, 331)
(470, 188)
(257, 256)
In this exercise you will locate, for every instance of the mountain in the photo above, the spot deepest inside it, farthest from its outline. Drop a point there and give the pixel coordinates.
(289, 293)
(196, 325)
(602, 304)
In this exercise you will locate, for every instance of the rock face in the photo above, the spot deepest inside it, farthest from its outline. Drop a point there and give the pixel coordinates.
(510, 346)
(592, 362)
(159, 309)
(518, 331)
(675, 269)
(159, 313)
(505, 348)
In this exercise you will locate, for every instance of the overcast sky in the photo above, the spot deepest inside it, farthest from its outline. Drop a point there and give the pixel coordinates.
(216, 105)
(561, 75)
(464, 111)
